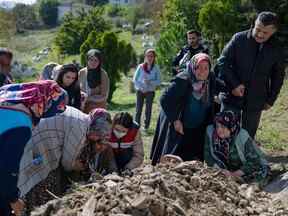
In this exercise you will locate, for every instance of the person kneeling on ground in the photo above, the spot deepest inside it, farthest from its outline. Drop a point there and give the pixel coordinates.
(62, 147)
(126, 143)
(230, 148)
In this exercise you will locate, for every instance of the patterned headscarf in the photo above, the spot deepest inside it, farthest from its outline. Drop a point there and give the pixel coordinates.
(230, 120)
(200, 87)
(43, 98)
(100, 123)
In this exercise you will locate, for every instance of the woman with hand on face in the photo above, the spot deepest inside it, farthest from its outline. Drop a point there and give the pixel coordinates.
(186, 110)
(21, 107)
(146, 79)
(126, 143)
(67, 78)
(94, 81)
(230, 148)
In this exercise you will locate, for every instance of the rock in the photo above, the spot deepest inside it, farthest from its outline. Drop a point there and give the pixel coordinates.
(110, 184)
(140, 202)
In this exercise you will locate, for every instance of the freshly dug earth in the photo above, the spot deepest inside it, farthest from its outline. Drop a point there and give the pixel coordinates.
(187, 188)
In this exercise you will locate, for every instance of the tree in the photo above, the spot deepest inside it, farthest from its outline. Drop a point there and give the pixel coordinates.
(75, 29)
(48, 11)
(7, 27)
(117, 55)
(25, 16)
(172, 38)
(134, 14)
(219, 20)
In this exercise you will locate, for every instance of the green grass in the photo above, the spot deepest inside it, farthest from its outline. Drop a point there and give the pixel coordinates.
(273, 129)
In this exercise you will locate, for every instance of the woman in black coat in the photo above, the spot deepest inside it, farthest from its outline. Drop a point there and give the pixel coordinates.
(187, 107)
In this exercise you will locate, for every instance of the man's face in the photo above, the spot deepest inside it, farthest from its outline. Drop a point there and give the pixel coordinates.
(100, 144)
(262, 33)
(192, 39)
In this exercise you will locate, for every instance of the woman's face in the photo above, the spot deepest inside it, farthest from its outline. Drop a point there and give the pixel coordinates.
(222, 131)
(202, 70)
(5, 59)
(69, 78)
(93, 62)
(149, 58)
(100, 143)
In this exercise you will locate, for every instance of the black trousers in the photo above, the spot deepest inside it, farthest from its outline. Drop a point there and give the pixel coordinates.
(140, 97)
(192, 144)
(250, 121)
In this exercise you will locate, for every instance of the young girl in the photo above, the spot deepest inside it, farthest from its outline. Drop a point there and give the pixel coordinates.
(68, 79)
(94, 81)
(230, 148)
(146, 79)
(126, 142)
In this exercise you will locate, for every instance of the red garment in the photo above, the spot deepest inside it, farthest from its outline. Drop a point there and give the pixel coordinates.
(126, 141)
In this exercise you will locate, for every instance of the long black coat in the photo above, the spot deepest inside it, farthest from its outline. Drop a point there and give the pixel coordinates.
(259, 67)
(173, 101)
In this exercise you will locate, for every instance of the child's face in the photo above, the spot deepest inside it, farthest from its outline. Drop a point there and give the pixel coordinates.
(222, 131)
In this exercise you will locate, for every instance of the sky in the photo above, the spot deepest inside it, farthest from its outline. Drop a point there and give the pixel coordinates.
(20, 1)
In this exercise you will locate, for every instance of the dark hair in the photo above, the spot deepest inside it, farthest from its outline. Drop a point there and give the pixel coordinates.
(194, 32)
(6, 51)
(268, 18)
(124, 119)
(63, 70)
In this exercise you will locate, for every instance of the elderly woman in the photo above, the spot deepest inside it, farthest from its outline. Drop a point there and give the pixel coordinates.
(186, 110)
(68, 142)
(231, 149)
(94, 81)
(21, 107)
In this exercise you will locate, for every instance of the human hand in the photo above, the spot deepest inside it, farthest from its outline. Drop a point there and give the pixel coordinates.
(237, 173)
(18, 207)
(226, 172)
(239, 91)
(178, 127)
(79, 165)
(267, 106)
(127, 172)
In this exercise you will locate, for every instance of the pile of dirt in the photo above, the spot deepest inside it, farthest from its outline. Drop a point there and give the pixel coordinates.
(187, 188)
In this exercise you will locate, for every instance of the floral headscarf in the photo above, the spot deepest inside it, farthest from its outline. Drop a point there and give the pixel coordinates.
(43, 98)
(100, 123)
(230, 120)
(200, 87)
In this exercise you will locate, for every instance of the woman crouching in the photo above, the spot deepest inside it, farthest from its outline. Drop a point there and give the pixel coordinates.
(229, 147)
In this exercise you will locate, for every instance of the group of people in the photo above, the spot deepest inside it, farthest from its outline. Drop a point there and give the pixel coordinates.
(60, 127)
(246, 80)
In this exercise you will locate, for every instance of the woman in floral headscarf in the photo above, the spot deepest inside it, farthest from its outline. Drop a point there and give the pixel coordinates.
(186, 110)
(230, 148)
(21, 107)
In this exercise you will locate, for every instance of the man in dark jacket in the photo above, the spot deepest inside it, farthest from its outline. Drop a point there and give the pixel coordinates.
(188, 51)
(252, 67)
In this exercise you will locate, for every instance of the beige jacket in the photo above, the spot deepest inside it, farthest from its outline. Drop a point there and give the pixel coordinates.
(98, 94)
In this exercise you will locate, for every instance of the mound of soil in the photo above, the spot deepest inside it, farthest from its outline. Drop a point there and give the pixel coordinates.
(187, 188)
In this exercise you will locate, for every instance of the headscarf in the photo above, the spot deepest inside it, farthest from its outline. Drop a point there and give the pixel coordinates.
(100, 123)
(230, 120)
(145, 64)
(94, 74)
(200, 87)
(43, 98)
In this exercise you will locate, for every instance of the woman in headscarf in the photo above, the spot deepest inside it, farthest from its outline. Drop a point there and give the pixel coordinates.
(186, 110)
(21, 107)
(61, 147)
(146, 79)
(6, 57)
(230, 148)
(94, 81)
(67, 78)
